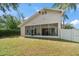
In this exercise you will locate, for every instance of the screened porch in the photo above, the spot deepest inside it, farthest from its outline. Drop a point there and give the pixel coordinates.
(42, 30)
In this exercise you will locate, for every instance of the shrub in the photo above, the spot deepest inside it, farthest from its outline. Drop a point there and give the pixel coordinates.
(9, 33)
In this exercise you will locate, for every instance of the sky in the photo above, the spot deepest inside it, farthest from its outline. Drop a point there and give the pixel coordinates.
(30, 10)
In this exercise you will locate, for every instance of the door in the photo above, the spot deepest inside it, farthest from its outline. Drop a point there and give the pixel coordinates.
(45, 31)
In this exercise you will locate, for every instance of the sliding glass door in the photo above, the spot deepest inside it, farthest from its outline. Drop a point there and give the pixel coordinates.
(48, 31)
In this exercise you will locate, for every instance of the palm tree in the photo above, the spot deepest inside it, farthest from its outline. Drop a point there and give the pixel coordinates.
(7, 6)
(65, 7)
(9, 22)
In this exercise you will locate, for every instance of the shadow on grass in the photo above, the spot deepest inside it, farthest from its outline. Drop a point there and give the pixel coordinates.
(54, 39)
(15, 36)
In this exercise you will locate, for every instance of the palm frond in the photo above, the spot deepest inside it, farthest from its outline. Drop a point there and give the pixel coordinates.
(7, 6)
(65, 6)
(65, 16)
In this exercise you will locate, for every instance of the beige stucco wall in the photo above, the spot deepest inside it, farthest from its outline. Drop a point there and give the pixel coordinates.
(50, 17)
(22, 31)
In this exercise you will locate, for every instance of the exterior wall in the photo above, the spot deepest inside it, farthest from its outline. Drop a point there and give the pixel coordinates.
(23, 31)
(50, 17)
(70, 34)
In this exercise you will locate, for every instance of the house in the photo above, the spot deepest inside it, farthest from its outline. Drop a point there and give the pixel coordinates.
(45, 23)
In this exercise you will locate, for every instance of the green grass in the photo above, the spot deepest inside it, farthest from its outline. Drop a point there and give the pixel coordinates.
(27, 46)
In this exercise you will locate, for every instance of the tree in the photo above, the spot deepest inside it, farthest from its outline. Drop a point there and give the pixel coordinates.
(7, 6)
(69, 26)
(7, 18)
(65, 7)
(9, 22)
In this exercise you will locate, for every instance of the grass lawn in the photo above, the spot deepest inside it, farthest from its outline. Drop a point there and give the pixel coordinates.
(28, 46)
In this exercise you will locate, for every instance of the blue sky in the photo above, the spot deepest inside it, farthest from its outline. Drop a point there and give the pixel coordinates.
(30, 10)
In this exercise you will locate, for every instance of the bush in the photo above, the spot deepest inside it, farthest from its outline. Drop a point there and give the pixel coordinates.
(9, 33)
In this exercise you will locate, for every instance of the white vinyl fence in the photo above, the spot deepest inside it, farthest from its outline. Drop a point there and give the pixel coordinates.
(70, 34)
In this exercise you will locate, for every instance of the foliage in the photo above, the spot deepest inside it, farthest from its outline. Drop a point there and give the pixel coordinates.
(7, 6)
(69, 26)
(65, 7)
(4, 7)
(9, 22)
(4, 33)
(9, 26)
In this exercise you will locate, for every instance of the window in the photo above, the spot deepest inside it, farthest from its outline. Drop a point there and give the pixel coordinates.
(27, 30)
(45, 31)
(30, 31)
(52, 31)
(35, 31)
(49, 31)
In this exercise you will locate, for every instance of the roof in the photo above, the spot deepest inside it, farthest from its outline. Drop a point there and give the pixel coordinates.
(53, 9)
(36, 14)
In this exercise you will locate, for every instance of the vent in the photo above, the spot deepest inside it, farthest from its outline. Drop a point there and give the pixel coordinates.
(42, 12)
